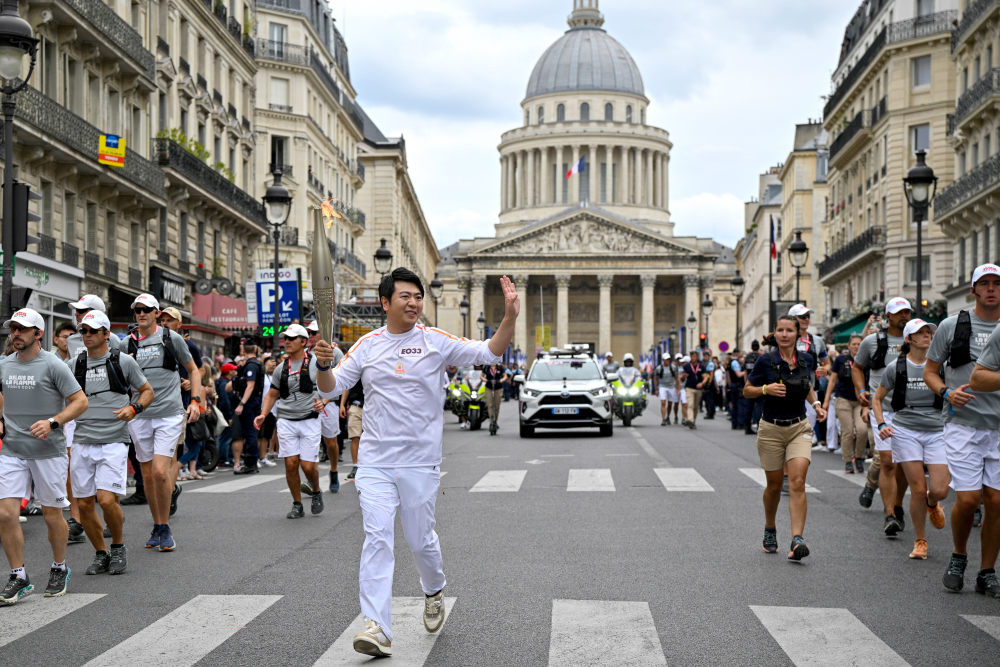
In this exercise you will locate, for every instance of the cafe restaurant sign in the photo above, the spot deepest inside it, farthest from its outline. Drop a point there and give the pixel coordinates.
(220, 311)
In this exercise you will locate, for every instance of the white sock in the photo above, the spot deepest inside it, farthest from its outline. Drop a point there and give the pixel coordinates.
(59, 566)
(19, 572)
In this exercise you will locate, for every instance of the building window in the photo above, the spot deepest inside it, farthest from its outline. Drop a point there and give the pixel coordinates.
(182, 242)
(277, 34)
(628, 113)
(822, 161)
(279, 92)
(609, 112)
(110, 235)
(200, 252)
(965, 79)
(920, 138)
(91, 223)
(135, 243)
(231, 259)
(161, 234)
(46, 223)
(585, 111)
(541, 114)
(921, 71)
(560, 113)
(976, 68)
(961, 164)
(986, 147)
(989, 57)
(69, 217)
(961, 261)
(50, 65)
(975, 155)
(986, 244)
(975, 248)
(911, 270)
(925, 8)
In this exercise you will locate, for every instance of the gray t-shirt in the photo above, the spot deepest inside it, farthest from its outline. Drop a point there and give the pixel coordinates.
(34, 390)
(297, 405)
(74, 345)
(98, 425)
(864, 359)
(166, 384)
(982, 412)
(919, 413)
(815, 346)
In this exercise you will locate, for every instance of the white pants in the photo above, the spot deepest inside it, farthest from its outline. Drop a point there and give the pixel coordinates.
(973, 457)
(329, 420)
(832, 429)
(158, 435)
(99, 467)
(880, 444)
(49, 476)
(811, 414)
(299, 438)
(413, 491)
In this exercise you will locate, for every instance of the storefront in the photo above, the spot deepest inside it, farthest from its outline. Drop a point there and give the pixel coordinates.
(53, 286)
(217, 320)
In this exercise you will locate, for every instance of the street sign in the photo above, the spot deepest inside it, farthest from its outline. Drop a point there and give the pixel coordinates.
(288, 302)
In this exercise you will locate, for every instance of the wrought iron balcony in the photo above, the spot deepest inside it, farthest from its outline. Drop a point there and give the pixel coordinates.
(855, 73)
(879, 111)
(91, 262)
(324, 75)
(351, 261)
(235, 29)
(286, 169)
(922, 26)
(248, 46)
(874, 237)
(285, 5)
(981, 179)
(844, 138)
(171, 155)
(970, 17)
(282, 108)
(979, 92)
(111, 268)
(70, 254)
(294, 54)
(47, 246)
(117, 30)
(316, 183)
(220, 12)
(357, 216)
(54, 121)
(135, 277)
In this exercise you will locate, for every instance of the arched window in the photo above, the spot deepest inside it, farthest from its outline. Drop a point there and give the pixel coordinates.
(541, 114)
(609, 112)
(585, 111)
(628, 113)
(560, 113)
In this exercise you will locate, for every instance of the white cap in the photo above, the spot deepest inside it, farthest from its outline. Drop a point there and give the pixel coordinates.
(312, 326)
(147, 300)
(893, 306)
(984, 270)
(685, 360)
(678, 356)
(608, 354)
(295, 331)
(89, 302)
(799, 309)
(628, 357)
(27, 317)
(913, 326)
(95, 319)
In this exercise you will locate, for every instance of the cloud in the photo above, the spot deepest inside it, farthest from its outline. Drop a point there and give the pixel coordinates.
(708, 214)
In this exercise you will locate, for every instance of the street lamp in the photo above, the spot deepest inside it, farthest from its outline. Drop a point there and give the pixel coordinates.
(920, 186)
(798, 254)
(383, 264)
(463, 308)
(16, 41)
(672, 337)
(437, 287)
(706, 308)
(737, 285)
(278, 204)
(692, 323)
(481, 324)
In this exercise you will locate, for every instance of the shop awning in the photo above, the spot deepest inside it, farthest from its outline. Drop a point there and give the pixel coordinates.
(842, 332)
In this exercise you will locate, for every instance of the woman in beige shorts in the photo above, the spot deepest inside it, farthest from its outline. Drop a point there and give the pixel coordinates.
(784, 379)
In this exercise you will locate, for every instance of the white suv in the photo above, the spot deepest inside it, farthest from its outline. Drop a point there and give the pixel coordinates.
(565, 389)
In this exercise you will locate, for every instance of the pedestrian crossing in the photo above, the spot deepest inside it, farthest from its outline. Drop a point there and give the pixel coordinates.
(582, 633)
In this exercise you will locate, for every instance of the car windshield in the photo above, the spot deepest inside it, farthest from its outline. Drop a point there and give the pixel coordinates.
(571, 369)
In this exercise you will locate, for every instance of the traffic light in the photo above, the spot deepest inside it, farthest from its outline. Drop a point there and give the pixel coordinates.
(22, 216)
(703, 340)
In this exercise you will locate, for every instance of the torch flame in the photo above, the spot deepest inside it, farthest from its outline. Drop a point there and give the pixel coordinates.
(329, 213)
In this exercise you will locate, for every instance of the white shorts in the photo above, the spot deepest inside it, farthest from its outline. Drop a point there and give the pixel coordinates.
(156, 436)
(973, 457)
(69, 428)
(926, 446)
(99, 467)
(299, 439)
(329, 421)
(880, 444)
(49, 476)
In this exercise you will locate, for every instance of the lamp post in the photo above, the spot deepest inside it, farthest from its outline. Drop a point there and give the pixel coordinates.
(798, 254)
(383, 264)
(737, 285)
(706, 308)
(672, 337)
(437, 287)
(463, 308)
(278, 204)
(692, 323)
(16, 41)
(920, 186)
(481, 324)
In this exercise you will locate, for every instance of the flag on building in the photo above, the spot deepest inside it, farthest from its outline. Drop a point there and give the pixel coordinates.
(576, 168)
(774, 246)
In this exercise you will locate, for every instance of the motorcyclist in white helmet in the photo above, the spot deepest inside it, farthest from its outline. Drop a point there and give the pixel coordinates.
(628, 373)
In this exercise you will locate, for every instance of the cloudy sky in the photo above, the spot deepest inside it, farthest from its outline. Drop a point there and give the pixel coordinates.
(727, 78)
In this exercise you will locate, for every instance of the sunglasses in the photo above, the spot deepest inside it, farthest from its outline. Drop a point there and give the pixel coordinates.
(82, 311)
(142, 310)
(87, 331)
(294, 338)
(17, 328)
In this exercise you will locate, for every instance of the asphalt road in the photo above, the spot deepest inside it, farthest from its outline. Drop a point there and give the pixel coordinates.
(544, 569)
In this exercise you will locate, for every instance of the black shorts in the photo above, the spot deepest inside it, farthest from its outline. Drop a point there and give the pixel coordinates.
(236, 428)
(267, 428)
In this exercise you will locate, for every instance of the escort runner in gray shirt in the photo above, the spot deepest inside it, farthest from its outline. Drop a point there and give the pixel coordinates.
(74, 345)
(98, 425)
(297, 405)
(34, 390)
(864, 358)
(982, 412)
(166, 383)
(919, 413)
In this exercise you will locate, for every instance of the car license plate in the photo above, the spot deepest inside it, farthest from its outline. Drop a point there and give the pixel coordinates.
(565, 411)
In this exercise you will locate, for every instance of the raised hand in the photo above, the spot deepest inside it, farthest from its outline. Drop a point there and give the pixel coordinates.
(511, 301)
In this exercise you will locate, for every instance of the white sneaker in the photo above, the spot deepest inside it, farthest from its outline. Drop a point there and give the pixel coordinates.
(372, 641)
(265, 463)
(434, 612)
(22, 519)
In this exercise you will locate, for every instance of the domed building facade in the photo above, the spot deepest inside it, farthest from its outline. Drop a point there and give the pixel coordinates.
(584, 226)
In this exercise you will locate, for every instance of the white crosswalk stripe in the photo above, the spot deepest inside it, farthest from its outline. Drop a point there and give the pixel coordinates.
(856, 479)
(188, 633)
(588, 633)
(497, 481)
(411, 643)
(757, 475)
(238, 484)
(34, 612)
(682, 479)
(988, 624)
(591, 479)
(815, 637)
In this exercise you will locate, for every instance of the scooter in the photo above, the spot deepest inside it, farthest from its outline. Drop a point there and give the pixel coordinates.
(474, 400)
(630, 398)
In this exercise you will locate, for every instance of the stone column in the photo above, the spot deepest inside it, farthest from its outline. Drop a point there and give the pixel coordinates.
(544, 180)
(595, 176)
(531, 178)
(604, 282)
(619, 187)
(639, 177)
(477, 304)
(692, 304)
(560, 175)
(650, 196)
(511, 182)
(503, 183)
(666, 181)
(574, 182)
(521, 324)
(518, 171)
(648, 283)
(562, 310)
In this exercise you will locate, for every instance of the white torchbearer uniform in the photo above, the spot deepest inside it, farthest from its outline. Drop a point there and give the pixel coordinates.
(400, 451)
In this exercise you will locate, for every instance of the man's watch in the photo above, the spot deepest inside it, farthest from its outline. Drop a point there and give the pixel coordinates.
(196, 399)
(53, 424)
(943, 391)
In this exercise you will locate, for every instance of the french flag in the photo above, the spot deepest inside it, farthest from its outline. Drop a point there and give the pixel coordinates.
(577, 168)
(774, 246)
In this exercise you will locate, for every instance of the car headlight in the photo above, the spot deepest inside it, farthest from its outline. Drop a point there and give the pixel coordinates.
(597, 392)
(530, 393)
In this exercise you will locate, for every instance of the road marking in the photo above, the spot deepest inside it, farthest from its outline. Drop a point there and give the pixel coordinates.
(859, 480)
(188, 633)
(757, 475)
(589, 633)
(34, 612)
(411, 643)
(623, 454)
(648, 448)
(496, 481)
(815, 636)
(682, 479)
(238, 484)
(988, 624)
(535, 462)
(557, 456)
(500, 456)
(593, 479)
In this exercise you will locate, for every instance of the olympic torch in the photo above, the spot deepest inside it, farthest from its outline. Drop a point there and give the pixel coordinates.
(322, 281)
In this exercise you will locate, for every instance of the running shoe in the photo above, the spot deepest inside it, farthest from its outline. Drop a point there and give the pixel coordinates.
(34, 507)
(977, 518)
(15, 589)
(798, 550)
(135, 499)
(22, 519)
(246, 470)
(166, 539)
(866, 497)
(334, 482)
(664, 422)
(117, 562)
(100, 564)
(372, 641)
(174, 495)
(919, 550)
(859, 465)
(57, 582)
(936, 516)
(954, 577)
(297, 512)
(771, 540)
(900, 517)
(76, 533)
(849, 468)
(434, 611)
(306, 487)
(987, 583)
(317, 503)
(154, 538)
(891, 526)
(353, 473)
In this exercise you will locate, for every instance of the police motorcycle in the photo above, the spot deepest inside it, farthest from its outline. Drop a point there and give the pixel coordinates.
(453, 398)
(473, 398)
(629, 388)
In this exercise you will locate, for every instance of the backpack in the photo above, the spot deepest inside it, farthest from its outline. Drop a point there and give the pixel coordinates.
(749, 360)
(305, 382)
(881, 349)
(169, 360)
(844, 374)
(899, 388)
(960, 342)
(116, 378)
